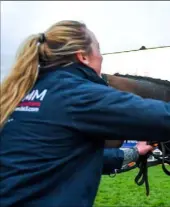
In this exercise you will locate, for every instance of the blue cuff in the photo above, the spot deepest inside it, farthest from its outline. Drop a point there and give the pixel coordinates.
(113, 159)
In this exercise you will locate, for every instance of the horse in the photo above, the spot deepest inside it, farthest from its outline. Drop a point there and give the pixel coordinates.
(146, 87)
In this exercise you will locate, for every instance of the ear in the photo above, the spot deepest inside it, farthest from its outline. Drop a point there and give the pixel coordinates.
(82, 58)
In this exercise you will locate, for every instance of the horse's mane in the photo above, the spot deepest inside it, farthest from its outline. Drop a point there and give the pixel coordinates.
(145, 78)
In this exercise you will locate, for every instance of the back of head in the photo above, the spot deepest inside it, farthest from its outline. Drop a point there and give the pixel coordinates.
(57, 46)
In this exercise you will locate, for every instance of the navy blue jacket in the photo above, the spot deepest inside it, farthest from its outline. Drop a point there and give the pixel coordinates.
(52, 145)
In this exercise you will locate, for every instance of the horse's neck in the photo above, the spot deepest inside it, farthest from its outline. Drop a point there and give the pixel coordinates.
(145, 89)
(122, 84)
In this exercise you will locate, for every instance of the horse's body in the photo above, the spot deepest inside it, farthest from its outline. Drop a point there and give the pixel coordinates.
(142, 86)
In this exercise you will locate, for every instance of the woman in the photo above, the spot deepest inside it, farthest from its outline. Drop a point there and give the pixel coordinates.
(57, 112)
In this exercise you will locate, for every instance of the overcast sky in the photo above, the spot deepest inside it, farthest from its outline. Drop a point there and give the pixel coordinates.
(118, 26)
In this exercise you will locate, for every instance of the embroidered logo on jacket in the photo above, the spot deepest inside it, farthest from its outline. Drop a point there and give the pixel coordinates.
(32, 101)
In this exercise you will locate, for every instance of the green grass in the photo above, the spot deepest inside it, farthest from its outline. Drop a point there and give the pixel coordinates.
(122, 191)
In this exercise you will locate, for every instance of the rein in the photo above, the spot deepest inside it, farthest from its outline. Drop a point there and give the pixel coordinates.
(142, 176)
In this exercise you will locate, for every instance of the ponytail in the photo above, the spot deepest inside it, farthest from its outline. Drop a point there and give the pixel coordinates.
(21, 79)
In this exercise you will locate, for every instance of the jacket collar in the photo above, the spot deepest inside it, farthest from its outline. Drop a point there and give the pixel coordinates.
(79, 70)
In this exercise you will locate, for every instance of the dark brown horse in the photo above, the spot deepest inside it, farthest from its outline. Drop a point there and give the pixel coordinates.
(145, 87)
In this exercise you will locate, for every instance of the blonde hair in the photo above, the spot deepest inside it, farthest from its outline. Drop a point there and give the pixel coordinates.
(58, 47)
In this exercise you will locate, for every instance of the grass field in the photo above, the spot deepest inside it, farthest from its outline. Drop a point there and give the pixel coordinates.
(121, 191)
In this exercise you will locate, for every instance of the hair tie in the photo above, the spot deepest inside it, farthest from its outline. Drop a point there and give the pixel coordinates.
(41, 38)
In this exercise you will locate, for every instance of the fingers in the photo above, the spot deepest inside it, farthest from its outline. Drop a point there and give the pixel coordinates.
(150, 148)
(144, 148)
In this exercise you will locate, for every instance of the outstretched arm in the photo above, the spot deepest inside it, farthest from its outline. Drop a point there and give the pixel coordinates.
(106, 113)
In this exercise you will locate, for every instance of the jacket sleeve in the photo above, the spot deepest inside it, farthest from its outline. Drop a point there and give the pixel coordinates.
(113, 159)
(101, 111)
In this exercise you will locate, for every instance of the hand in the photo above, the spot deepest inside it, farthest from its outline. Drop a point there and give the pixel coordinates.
(144, 148)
